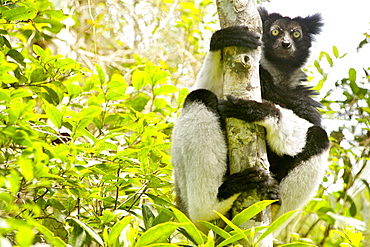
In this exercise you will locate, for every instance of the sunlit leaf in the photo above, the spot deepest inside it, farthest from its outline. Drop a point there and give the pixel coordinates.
(335, 51)
(54, 114)
(100, 73)
(219, 231)
(190, 228)
(165, 90)
(138, 79)
(13, 184)
(90, 231)
(234, 227)
(73, 90)
(158, 233)
(298, 245)
(17, 56)
(39, 51)
(352, 74)
(117, 229)
(250, 212)
(276, 224)
(26, 167)
(4, 95)
(20, 13)
(55, 241)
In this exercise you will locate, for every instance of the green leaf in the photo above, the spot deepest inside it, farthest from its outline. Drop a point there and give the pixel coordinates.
(165, 90)
(55, 241)
(54, 114)
(26, 167)
(105, 235)
(38, 75)
(4, 95)
(91, 112)
(5, 41)
(250, 212)
(73, 90)
(77, 236)
(232, 239)
(21, 13)
(55, 14)
(51, 96)
(182, 96)
(210, 241)
(138, 79)
(366, 183)
(28, 3)
(163, 245)
(117, 229)
(159, 77)
(335, 51)
(320, 84)
(297, 245)
(159, 201)
(353, 208)
(114, 95)
(90, 231)
(162, 217)
(108, 216)
(160, 104)
(70, 204)
(232, 225)
(56, 204)
(329, 59)
(13, 180)
(39, 51)
(6, 78)
(138, 102)
(352, 74)
(190, 228)
(276, 224)
(148, 216)
(100, 73)
(17, 56)
(20, 93)
(237, 236)
(158, 233)
(219, 231)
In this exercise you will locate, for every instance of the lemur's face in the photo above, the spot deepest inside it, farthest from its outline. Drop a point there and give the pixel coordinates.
(284, 35)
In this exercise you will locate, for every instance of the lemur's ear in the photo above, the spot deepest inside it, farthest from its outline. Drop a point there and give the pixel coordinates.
(311, 24)
(263, 13)
(314, 23)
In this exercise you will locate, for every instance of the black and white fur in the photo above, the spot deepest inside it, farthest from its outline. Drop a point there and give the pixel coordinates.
(297, 145)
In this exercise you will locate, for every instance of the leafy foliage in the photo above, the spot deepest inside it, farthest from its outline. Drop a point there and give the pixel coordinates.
(79, 151)
(84, 146)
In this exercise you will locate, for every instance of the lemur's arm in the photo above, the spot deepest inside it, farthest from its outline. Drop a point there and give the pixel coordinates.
(210, 75)
(286, 132)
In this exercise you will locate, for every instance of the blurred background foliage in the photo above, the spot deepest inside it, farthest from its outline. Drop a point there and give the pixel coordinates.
(89, 92)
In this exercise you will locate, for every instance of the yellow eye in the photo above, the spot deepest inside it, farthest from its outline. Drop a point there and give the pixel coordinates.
(275, 32)
(296, 34)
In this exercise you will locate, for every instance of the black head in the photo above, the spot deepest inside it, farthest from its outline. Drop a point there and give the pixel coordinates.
(287, 41)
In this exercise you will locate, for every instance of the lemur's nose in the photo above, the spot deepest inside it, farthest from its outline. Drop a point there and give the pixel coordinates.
(286, 44)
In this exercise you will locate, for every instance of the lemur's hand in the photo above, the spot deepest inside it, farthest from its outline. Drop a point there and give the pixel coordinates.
(238, 36)
(251, 178)
(247, 110)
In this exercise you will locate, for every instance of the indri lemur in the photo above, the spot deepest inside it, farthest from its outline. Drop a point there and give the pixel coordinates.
(297, 145)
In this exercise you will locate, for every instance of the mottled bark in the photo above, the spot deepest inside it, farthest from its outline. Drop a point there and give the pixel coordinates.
(246, 142)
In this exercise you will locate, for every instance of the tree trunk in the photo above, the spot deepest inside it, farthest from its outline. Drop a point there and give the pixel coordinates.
(246, 142)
